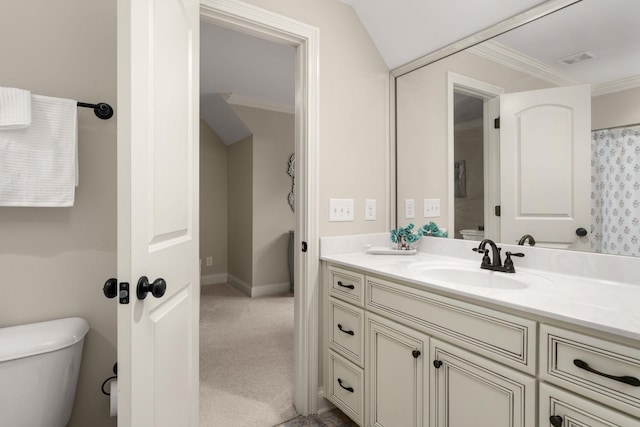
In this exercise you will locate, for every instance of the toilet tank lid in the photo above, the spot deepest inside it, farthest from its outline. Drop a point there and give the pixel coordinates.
(42, 337)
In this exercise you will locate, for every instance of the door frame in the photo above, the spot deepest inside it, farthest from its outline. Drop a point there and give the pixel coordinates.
(262, 23)
(491, 148)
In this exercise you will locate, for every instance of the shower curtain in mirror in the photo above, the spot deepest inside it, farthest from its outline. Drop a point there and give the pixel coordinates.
(615, 190)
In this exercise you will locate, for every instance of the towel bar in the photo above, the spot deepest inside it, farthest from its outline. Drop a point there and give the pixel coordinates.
(102, 110)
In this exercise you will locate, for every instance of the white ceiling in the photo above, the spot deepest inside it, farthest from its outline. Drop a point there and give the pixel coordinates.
(606, 29)
(404, 30)
(259, 71)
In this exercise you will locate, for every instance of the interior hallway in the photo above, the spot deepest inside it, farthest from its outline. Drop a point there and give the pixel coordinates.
(246, 358)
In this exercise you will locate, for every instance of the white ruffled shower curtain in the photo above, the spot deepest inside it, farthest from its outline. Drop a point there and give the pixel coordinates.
(615, 190)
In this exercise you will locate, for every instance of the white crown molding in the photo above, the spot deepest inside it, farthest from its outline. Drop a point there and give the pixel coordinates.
(615, 86)
(513, 59)
(484, 35)
(247, 101)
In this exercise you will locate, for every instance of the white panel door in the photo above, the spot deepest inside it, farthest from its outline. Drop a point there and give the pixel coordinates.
(545, 166)
(158, 46)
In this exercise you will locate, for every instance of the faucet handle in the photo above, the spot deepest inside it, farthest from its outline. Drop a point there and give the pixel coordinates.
(485, 259)
(510, 254)
(508, 262)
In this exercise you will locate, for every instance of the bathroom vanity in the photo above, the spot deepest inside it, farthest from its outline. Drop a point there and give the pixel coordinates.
(433, 340)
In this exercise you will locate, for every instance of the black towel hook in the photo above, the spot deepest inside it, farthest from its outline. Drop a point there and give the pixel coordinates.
(101, 110)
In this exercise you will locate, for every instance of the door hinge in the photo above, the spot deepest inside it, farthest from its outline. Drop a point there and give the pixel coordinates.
(496, 209)
(496, 123)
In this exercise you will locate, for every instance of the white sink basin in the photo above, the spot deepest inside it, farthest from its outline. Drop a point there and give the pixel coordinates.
(481, 278)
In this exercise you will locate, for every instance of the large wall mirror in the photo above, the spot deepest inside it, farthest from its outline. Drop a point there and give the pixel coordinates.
(561, 166)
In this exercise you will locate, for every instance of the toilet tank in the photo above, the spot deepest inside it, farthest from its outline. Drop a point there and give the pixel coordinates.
(39, 365)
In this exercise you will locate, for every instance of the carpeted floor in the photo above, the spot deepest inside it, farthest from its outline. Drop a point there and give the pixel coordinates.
(246, 359)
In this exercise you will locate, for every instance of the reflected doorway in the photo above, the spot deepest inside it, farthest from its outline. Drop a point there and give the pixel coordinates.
(468, 178)
(474, 158)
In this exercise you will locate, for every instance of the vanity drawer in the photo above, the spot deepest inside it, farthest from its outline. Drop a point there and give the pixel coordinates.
(502, 337)
(346, 333)
(346, 285)
(568, 409)
(344, 386)
(605, 367)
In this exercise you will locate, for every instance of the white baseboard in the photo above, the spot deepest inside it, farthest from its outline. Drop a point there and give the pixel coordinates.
(323, 404)
(273, 289)
(213, 279)
(257, 291)
(243, 287)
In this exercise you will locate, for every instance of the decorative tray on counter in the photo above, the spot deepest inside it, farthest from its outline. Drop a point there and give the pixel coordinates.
(391, 251)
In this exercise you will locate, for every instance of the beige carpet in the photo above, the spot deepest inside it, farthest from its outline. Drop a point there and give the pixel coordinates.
(246, 358)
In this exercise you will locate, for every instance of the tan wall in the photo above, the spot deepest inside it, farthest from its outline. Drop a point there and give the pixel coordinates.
(354, 105)
(615, 109)
(54, 261)
(213, 201)
(240, 215)
(273, 144)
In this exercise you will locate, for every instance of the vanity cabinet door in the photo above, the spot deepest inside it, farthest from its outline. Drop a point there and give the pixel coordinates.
(397, 374)
(468, 390)
(561, 409)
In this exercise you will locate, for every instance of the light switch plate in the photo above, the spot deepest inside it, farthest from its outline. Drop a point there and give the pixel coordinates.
(409, 208)
(370, 209)
(431, 208)
(341, 210)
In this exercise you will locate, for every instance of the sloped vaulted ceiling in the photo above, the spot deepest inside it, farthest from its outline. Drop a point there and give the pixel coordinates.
(404, 30)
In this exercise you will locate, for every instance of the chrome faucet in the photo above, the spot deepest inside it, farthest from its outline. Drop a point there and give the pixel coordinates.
(494, 262)
(524, 239)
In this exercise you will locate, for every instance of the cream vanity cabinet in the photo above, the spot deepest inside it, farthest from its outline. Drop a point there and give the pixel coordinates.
(399, 355)
(601, 379)
(425, 359)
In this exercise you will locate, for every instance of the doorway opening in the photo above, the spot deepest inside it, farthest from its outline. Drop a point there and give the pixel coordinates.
(474, 158)
(304, 39)
(468, 182)
(247, 139)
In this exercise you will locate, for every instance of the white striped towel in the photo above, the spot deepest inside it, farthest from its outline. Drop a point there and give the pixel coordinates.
(38, 164)
(15, 108)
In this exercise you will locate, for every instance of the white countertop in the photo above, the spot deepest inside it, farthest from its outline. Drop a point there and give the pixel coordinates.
(598, 304)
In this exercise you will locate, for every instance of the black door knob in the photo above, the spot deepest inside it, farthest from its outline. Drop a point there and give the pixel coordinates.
(110, 288)
(581, 232)
(157, 288)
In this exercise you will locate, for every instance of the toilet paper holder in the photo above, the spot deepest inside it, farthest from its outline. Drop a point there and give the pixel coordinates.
(114, 377)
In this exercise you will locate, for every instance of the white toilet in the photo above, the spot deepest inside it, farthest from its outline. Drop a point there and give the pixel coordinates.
(472, 234)
(39, 365)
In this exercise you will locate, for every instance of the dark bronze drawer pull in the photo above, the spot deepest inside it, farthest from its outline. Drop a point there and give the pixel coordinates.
(345, 331)
(624, 379)
(346, 286)
(349, 389)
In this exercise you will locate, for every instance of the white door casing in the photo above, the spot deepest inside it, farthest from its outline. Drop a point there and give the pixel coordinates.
(545, 169)
(158, 134)
(265, 24)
